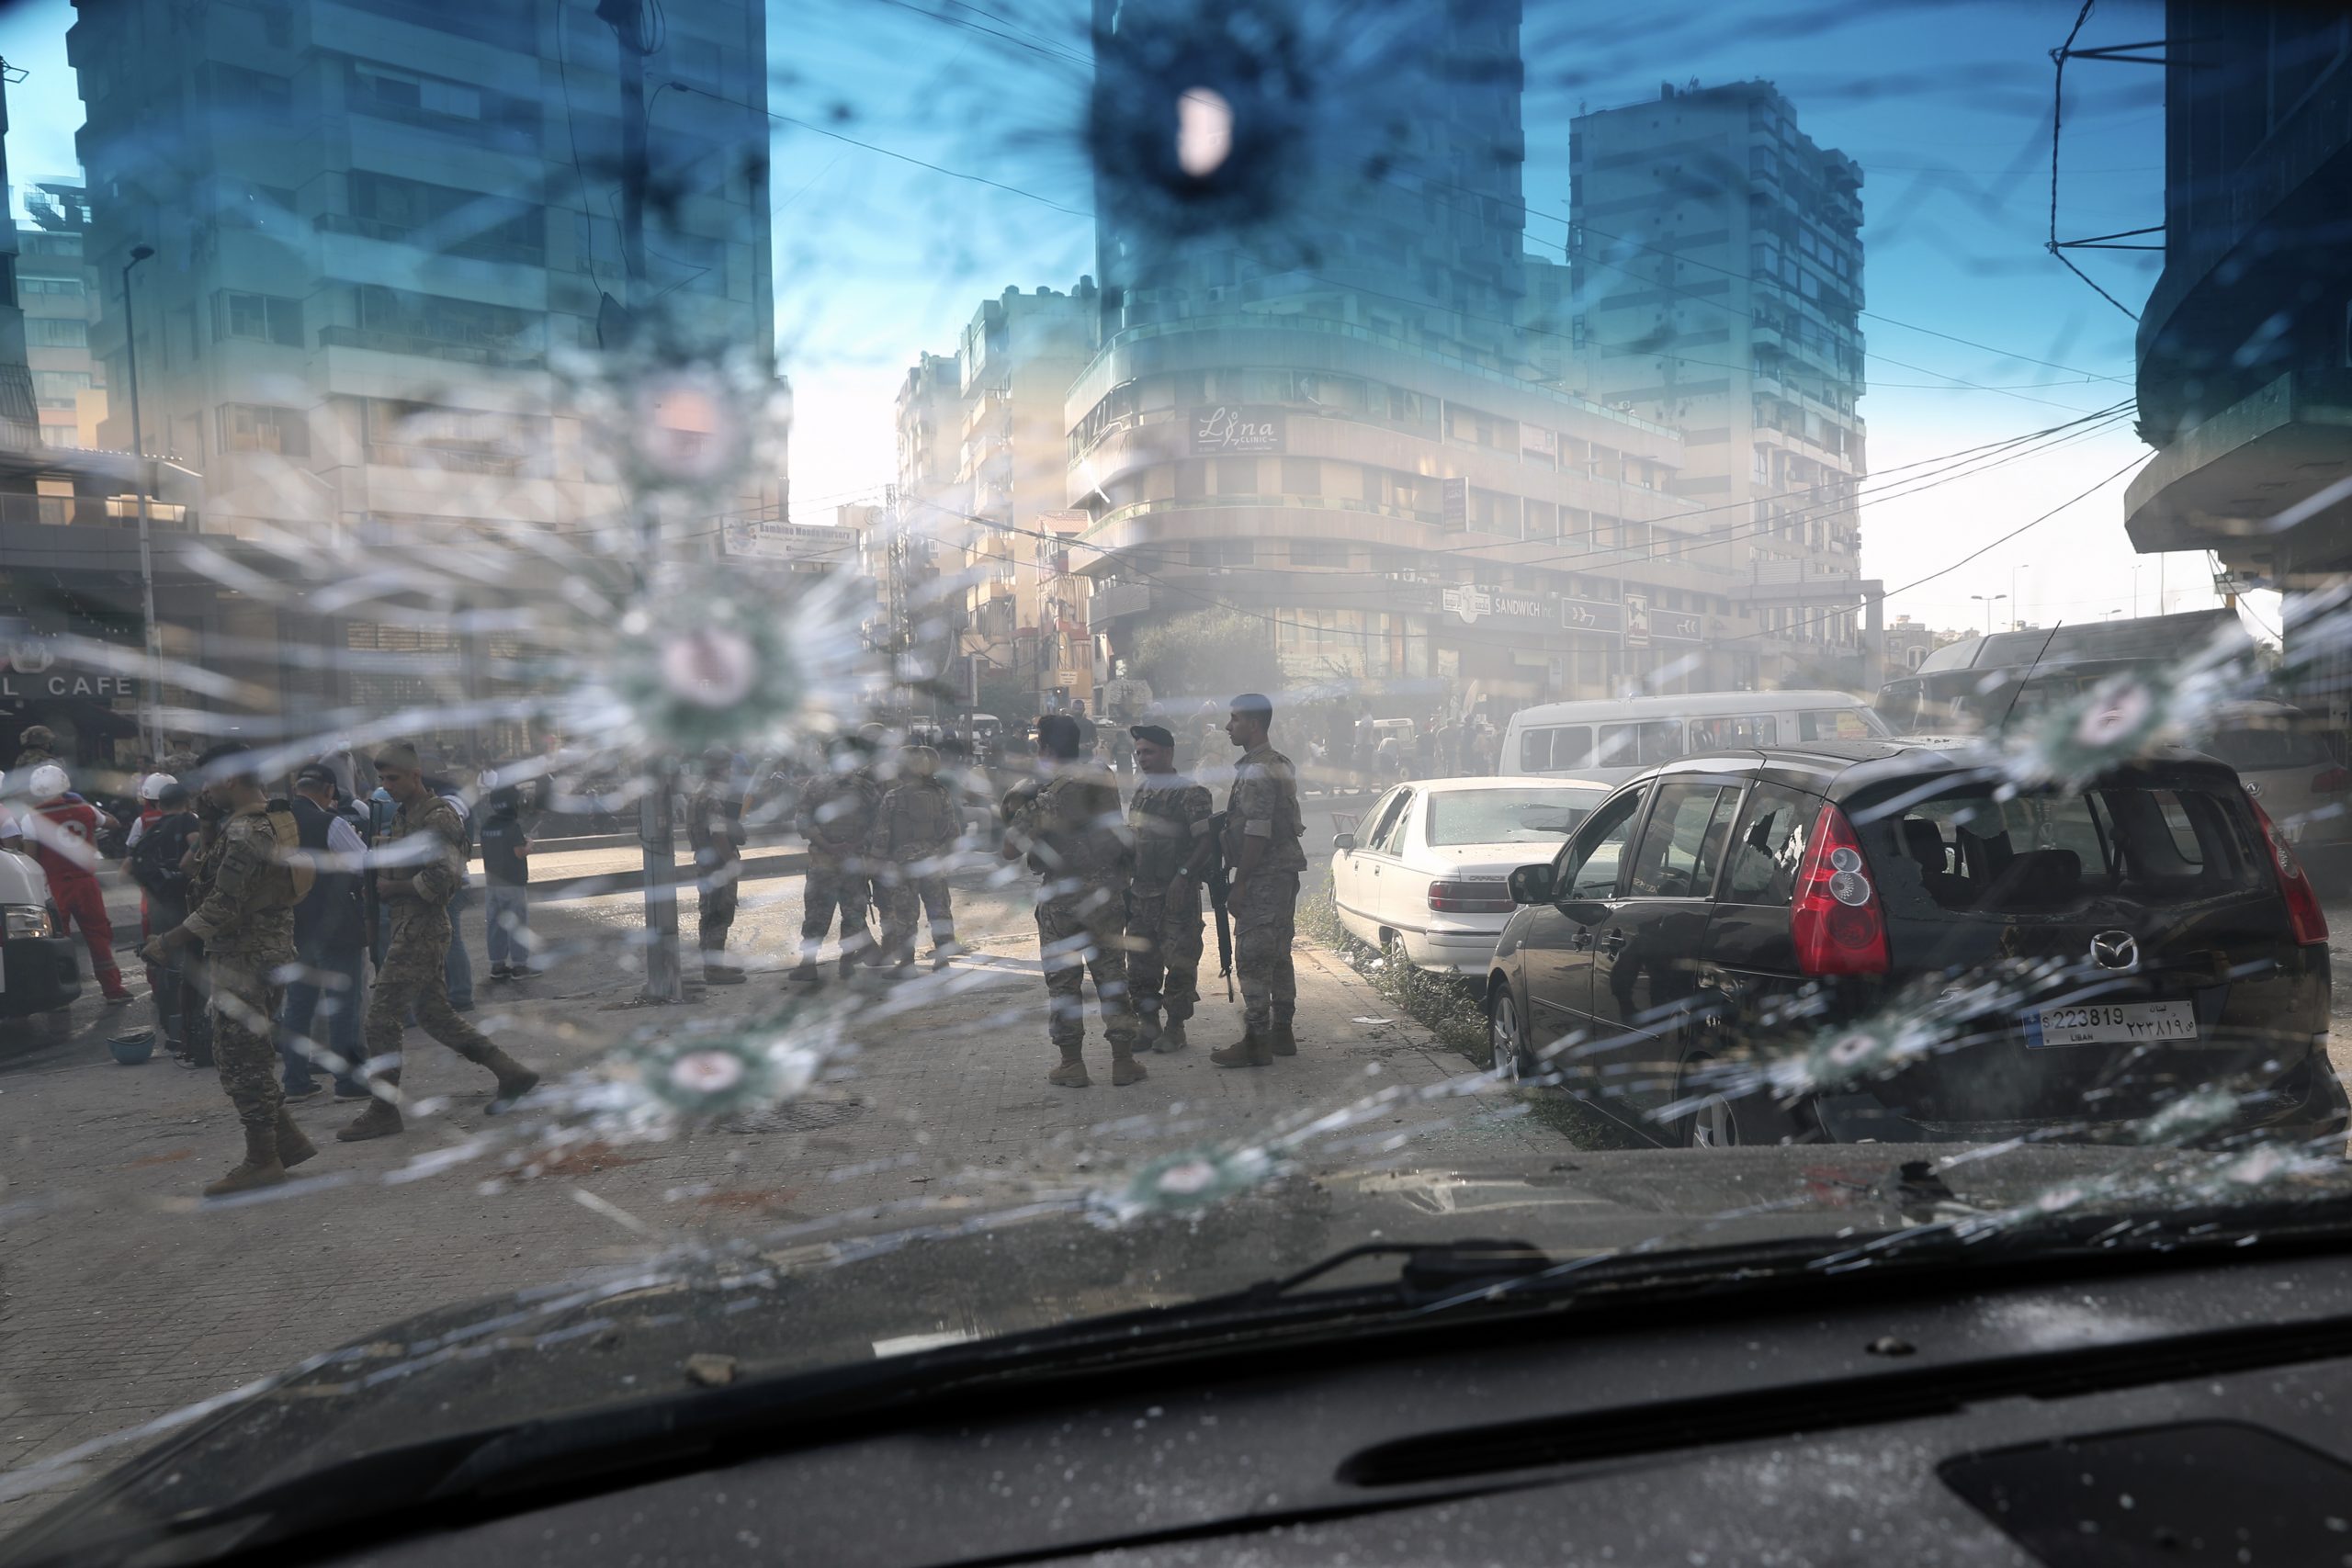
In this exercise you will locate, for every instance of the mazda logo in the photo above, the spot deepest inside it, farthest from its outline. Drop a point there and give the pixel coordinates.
(2115, 949)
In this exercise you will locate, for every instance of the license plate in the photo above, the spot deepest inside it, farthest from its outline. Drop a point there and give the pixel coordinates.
(2111, 1024)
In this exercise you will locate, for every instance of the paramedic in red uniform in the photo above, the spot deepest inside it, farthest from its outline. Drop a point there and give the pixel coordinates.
(63, 834)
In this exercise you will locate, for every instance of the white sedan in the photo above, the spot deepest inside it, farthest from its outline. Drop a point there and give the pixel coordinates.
(1426, 871)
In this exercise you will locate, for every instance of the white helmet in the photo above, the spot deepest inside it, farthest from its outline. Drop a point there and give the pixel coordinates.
(49, 781)
(153, 786)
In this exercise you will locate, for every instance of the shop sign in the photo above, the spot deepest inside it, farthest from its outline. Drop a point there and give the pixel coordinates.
(1473, 602)
(29, 668)
(1230, 431)
(1591, 615)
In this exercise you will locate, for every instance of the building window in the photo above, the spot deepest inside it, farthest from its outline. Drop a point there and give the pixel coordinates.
(55, 389)
(380, 87)
(1237, 475)
(264, 318)
(68, 287)
(1207, 553)
(57, 331)
(253, 94)
(1302, 476)
(1320, 552)
(251, 427)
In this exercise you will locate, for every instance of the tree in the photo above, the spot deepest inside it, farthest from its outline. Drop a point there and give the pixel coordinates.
(1208, 656)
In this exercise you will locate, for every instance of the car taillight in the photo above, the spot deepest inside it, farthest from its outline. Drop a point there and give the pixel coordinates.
(1481, 898)
(2303, 913)
(1837, 921)
(2334, 780)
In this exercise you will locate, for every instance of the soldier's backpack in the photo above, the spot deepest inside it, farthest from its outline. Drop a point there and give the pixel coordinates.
(156, 859)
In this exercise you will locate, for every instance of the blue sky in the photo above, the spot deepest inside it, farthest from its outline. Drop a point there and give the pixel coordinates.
(1945, 107)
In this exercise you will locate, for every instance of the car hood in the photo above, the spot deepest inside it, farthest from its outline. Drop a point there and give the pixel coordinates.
(610, 1340)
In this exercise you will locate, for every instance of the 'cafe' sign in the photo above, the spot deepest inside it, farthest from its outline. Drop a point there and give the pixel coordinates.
(29, 670)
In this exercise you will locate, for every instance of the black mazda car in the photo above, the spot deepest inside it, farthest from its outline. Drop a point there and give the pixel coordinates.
(1877, 941)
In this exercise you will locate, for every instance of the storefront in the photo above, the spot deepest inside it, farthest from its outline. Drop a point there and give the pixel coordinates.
(92, 712)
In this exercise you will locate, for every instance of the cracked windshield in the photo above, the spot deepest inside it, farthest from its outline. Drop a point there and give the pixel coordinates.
(706, 705)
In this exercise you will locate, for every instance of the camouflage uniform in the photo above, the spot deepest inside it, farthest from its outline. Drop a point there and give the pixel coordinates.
(1076, 843)
(915, 831)
(1264, 805)
(413, 977)
(246, 923)
(835, 819)
(1169, 817)
(713, 833)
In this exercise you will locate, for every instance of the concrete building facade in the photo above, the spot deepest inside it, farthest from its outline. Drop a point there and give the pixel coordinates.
(2246, 342)
(1717, 262)
(372, 227)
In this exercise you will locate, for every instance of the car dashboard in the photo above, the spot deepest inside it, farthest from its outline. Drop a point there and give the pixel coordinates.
(2135, 1414)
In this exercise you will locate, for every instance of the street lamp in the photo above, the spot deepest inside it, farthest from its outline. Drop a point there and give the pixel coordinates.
(1988, 601)
(152, 639)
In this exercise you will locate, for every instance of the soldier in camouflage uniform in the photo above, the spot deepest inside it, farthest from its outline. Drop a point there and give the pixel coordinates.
(1069, 829)
(715, 834)
(835, 819)
(1169, 817)
(245, 920)
(915, 832)
(414, 886)
(1262, 828)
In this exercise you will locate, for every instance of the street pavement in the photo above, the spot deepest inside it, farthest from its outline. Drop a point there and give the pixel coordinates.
(122, 1298)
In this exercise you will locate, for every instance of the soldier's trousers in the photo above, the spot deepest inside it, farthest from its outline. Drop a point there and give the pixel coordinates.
(832, 884)
(905, 897)
(414, 978)
(1081, 933)
(1262, 918)
(245, 1049)
(714, 915)
(1164, 948)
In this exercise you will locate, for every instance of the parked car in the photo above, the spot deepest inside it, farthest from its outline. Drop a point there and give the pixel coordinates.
(38, 972)
(1427, 874)
(2084, 958)
(2288, 761)
(1609, 742)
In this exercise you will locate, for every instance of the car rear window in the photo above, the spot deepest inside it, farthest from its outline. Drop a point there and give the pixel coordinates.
(2256, 749)
(2046, 852)
(1508, 816)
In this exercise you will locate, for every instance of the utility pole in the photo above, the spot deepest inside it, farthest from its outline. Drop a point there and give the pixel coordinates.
(150, 736)
(657, 831)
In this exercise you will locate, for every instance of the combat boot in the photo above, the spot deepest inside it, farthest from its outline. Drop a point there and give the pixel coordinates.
(293, 1145)
(722, 975)
(1124, 1068)
(1146, 1029)
(806, 973)
(848, 967)
(380, 1120)
(515, 1081)
(260, 1168)
(1283, 1042)
(1071, 1074)
(1247, 1052)
(1171, 1038)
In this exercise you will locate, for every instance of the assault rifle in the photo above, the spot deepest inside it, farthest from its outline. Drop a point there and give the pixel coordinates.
(1216, 877)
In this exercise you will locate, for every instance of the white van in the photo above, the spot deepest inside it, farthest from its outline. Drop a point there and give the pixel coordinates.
(1611, 741)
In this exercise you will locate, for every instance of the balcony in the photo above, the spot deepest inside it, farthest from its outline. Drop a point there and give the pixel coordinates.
(401, 234)
(92, 512)
(498, 353)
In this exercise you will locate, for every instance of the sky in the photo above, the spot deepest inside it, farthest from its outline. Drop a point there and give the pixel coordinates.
(1975, 334)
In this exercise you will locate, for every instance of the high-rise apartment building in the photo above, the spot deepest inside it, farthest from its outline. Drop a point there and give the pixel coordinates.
(983, 460)
(372, 227)
(1348, 425)
(1717, 265)
(59, 292)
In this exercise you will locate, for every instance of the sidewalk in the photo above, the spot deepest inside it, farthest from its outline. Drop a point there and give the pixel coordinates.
(121, 1298)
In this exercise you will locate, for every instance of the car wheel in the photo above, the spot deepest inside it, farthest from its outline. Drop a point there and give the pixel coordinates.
(1720, 1121)
(1506, 1042)
(1392, 948)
